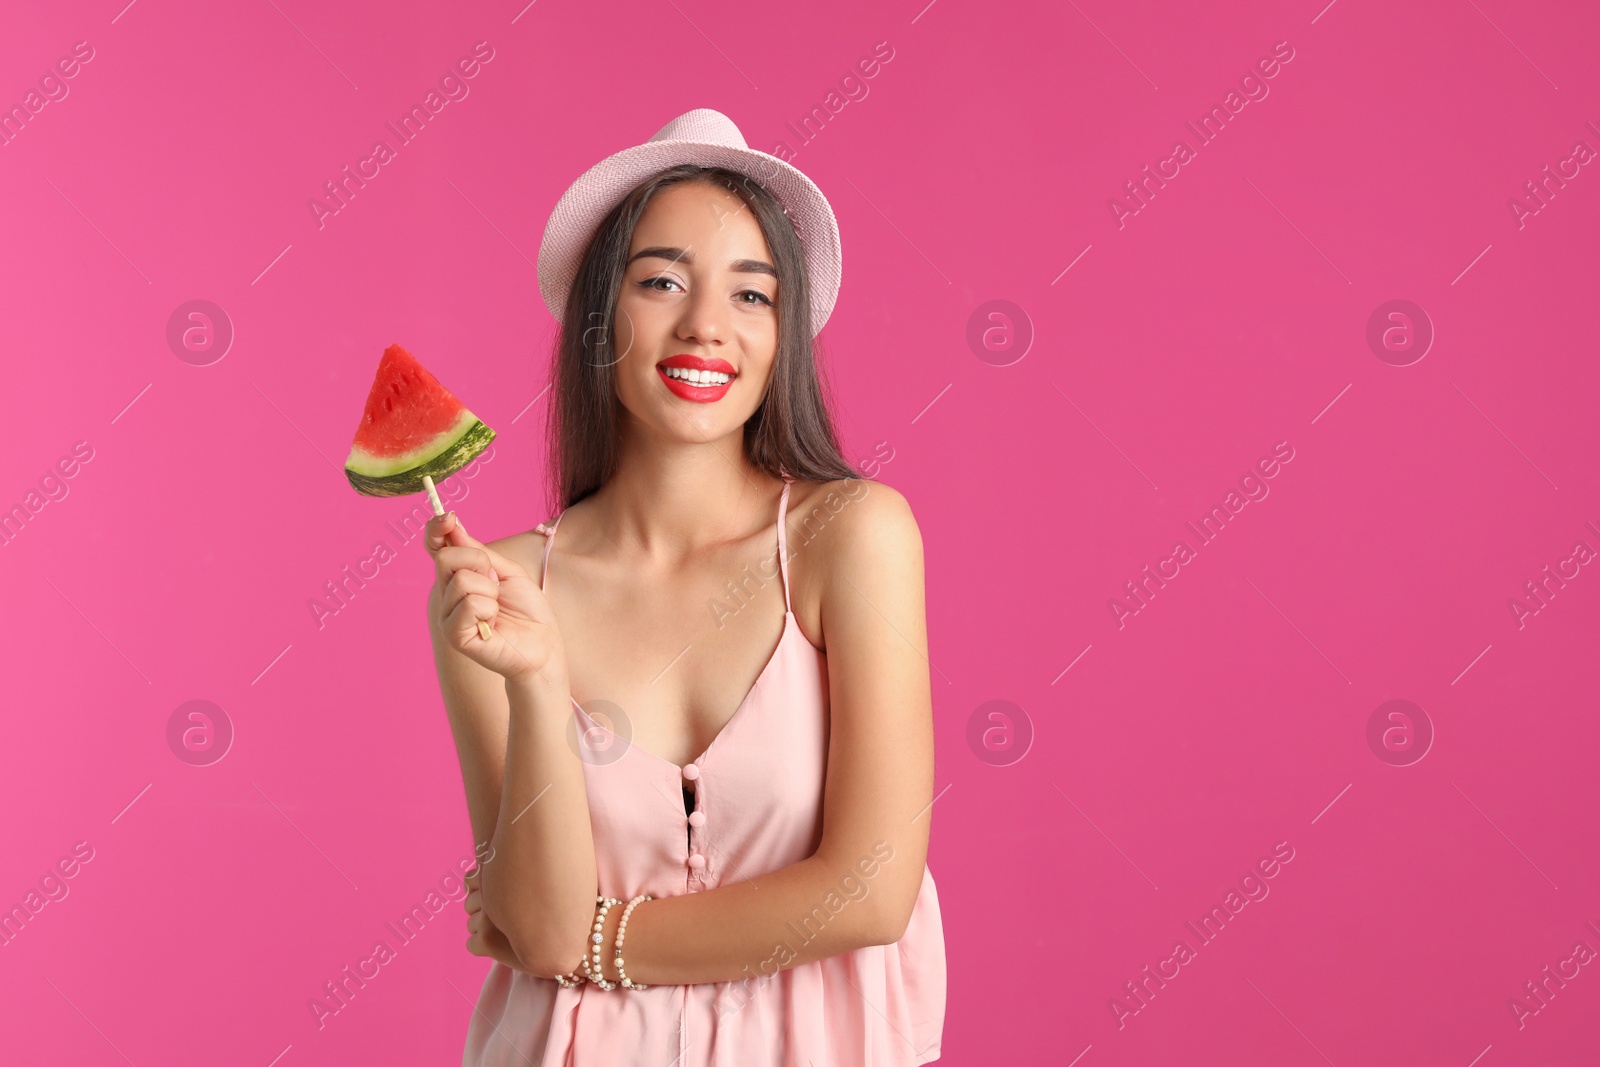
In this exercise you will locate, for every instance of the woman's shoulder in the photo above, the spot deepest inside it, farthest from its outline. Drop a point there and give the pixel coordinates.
(525, 547)
(863, 519)
(853, 545)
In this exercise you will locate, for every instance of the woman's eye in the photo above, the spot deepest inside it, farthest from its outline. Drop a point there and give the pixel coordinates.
(760, 297)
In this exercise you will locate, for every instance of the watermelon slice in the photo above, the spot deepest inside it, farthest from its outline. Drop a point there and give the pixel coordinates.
(412, 426)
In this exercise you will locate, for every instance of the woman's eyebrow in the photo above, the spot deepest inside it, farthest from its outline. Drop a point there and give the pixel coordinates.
(677, 255)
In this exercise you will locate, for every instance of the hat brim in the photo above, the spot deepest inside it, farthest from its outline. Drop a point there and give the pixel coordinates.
(578, 213)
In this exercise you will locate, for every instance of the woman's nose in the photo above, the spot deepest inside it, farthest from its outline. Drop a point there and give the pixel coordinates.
(703, 316)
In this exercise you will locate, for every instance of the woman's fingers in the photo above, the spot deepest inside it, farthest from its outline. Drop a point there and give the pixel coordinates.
(443, 536)
(469, 611)
(477, 922)
(438, 531)
(466, 582)
(503, 565)
(452, 558)
(476, 943)
(446, 531)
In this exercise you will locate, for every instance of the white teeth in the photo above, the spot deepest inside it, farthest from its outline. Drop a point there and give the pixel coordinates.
(698, 377)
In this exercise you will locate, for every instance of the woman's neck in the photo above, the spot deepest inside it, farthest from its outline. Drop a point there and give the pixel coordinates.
(669, 501)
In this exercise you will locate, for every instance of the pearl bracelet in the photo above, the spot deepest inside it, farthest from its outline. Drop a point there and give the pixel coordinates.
(622, 928)
(596, 975)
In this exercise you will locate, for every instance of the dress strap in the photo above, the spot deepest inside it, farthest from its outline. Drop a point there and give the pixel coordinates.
(783, 541)
(549, 531)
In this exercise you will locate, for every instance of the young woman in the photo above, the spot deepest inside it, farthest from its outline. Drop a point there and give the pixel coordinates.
(700, 729)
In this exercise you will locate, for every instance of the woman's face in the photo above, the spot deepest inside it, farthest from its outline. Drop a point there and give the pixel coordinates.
(697, 321)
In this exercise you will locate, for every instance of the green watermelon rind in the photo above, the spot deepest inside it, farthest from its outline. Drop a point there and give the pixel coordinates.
(364, 461)
(402, 475)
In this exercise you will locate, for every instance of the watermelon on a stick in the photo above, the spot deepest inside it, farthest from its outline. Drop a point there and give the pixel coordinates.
(413, 432)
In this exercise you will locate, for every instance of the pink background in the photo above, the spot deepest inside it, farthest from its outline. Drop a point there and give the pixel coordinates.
(1227, 315)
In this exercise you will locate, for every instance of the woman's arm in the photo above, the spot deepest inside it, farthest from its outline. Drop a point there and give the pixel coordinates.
(475, 701)
(540, 889)
(536, 864)
(860, 886)
(483, 937)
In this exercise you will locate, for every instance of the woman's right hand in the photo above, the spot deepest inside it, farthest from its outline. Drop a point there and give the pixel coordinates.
(484, 938)
(476, 582)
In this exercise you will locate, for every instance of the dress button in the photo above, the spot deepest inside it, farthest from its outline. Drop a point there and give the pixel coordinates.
(691, 772)
(697, 861)
(697, 818)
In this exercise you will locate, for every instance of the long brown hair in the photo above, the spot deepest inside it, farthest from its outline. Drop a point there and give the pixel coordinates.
(791, 432)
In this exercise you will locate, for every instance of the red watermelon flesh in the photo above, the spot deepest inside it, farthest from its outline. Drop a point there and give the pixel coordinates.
(412, 426)
(406, 407)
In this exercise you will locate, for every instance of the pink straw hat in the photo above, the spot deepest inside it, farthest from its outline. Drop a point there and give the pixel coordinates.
(710, 139)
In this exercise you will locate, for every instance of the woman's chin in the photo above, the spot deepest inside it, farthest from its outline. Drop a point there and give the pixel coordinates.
(688, 422)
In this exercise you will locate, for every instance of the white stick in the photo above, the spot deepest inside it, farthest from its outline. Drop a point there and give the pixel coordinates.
(433, 495)
(438, 509)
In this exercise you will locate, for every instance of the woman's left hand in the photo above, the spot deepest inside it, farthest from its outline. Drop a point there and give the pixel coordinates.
(484, 938)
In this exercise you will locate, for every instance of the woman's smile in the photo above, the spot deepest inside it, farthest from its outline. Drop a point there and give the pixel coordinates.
(696, 378)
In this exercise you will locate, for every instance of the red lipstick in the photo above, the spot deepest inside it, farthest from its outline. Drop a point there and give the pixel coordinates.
(701, 392)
